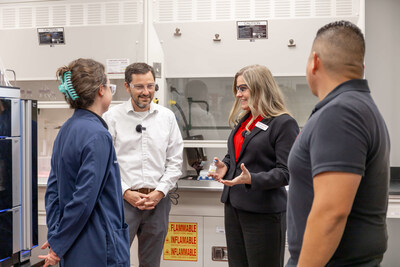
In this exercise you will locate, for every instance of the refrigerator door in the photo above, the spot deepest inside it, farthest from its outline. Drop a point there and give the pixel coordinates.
(6, 235)
(10, 232)
(16, 224)
(16, 177)
(9, 117)
(10, 173)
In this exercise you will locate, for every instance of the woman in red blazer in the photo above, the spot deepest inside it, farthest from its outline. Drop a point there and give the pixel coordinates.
(254, 171)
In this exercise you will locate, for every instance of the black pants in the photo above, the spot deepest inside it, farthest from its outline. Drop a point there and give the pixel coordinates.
(254, 239)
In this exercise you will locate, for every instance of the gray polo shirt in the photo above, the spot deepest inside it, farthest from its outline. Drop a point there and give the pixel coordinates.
(345, 133)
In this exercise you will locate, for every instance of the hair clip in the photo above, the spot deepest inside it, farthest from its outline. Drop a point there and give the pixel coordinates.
(66, 86)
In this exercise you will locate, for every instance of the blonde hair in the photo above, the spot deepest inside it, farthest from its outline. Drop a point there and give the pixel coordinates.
(266, 98)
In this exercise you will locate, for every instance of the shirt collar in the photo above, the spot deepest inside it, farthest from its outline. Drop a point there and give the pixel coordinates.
(350, 85)
(129, 107)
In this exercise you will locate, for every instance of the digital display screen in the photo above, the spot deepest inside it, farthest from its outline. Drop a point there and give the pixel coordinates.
(51, 36)
(252, 29)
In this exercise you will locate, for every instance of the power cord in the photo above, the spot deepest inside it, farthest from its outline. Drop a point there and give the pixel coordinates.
(174, 195)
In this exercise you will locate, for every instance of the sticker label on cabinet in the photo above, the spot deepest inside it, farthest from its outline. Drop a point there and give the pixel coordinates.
(117, 66)
(181, 242)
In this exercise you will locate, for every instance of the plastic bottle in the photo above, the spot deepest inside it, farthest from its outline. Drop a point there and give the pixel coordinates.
(213, 166)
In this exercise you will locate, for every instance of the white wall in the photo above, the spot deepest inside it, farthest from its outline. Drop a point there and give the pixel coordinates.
(382, 64)
(383, 73)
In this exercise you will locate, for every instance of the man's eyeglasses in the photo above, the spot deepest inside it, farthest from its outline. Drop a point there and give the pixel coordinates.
(113, 88)
(242, 87)
(140, 87)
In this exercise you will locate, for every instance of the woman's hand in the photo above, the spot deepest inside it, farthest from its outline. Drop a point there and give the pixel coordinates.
(51, 258)
(221, 171)
(243, 178)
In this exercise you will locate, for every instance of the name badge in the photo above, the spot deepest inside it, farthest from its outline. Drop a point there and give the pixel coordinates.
(262, 126)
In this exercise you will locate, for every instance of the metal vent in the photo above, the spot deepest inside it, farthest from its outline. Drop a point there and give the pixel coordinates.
(25, 17)
(204, 11)
(242, 9)
(322, 8)
(52, 13)
(76, 15)
(94, 14)
(9, 18)
(223, 10)
(344, 7)
(42, 16)
(302, 8)
(212, 10)
(282, 9)
(262, 9)
(165, 10)
(112, 13)
(59, 15)
(130, 12)
(184, 10)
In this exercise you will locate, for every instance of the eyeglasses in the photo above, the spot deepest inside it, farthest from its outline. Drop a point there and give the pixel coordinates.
(242, 87)
(140, 87)
(113, 88)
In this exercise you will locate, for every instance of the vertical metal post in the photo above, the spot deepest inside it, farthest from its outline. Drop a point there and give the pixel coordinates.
(27, 174)
(146, 30)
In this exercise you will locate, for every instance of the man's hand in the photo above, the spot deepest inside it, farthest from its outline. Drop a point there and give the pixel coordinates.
(243, 178)
(143, 201)
(221, 171)
(51, 258)
(154, 198)
(134, 197)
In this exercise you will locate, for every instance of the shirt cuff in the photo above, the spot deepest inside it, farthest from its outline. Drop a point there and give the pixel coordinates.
(124, 187)
(163, 188)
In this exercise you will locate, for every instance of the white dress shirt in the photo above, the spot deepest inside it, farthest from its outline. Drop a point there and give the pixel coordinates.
(153, 158)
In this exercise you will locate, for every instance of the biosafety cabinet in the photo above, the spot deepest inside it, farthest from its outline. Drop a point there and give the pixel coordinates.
(196, 47)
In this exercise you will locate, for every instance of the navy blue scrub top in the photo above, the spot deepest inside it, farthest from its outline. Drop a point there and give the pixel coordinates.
(84, 205)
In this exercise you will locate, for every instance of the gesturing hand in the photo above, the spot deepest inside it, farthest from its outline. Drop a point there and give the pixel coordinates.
(221, 170)
(51, 258)
(243, 178)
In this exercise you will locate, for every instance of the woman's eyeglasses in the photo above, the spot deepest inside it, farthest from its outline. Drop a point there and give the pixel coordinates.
(113, 88)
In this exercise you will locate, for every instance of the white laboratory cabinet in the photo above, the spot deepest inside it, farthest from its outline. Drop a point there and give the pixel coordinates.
(92, 29)
(200, 38)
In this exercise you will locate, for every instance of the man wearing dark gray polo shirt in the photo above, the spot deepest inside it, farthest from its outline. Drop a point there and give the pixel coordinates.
(339, 163)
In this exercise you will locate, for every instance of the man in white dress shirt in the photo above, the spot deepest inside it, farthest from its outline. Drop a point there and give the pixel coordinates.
(149, 149)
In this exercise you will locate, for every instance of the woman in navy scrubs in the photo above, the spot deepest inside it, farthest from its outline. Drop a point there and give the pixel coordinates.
(255, 171)
(84, 206)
